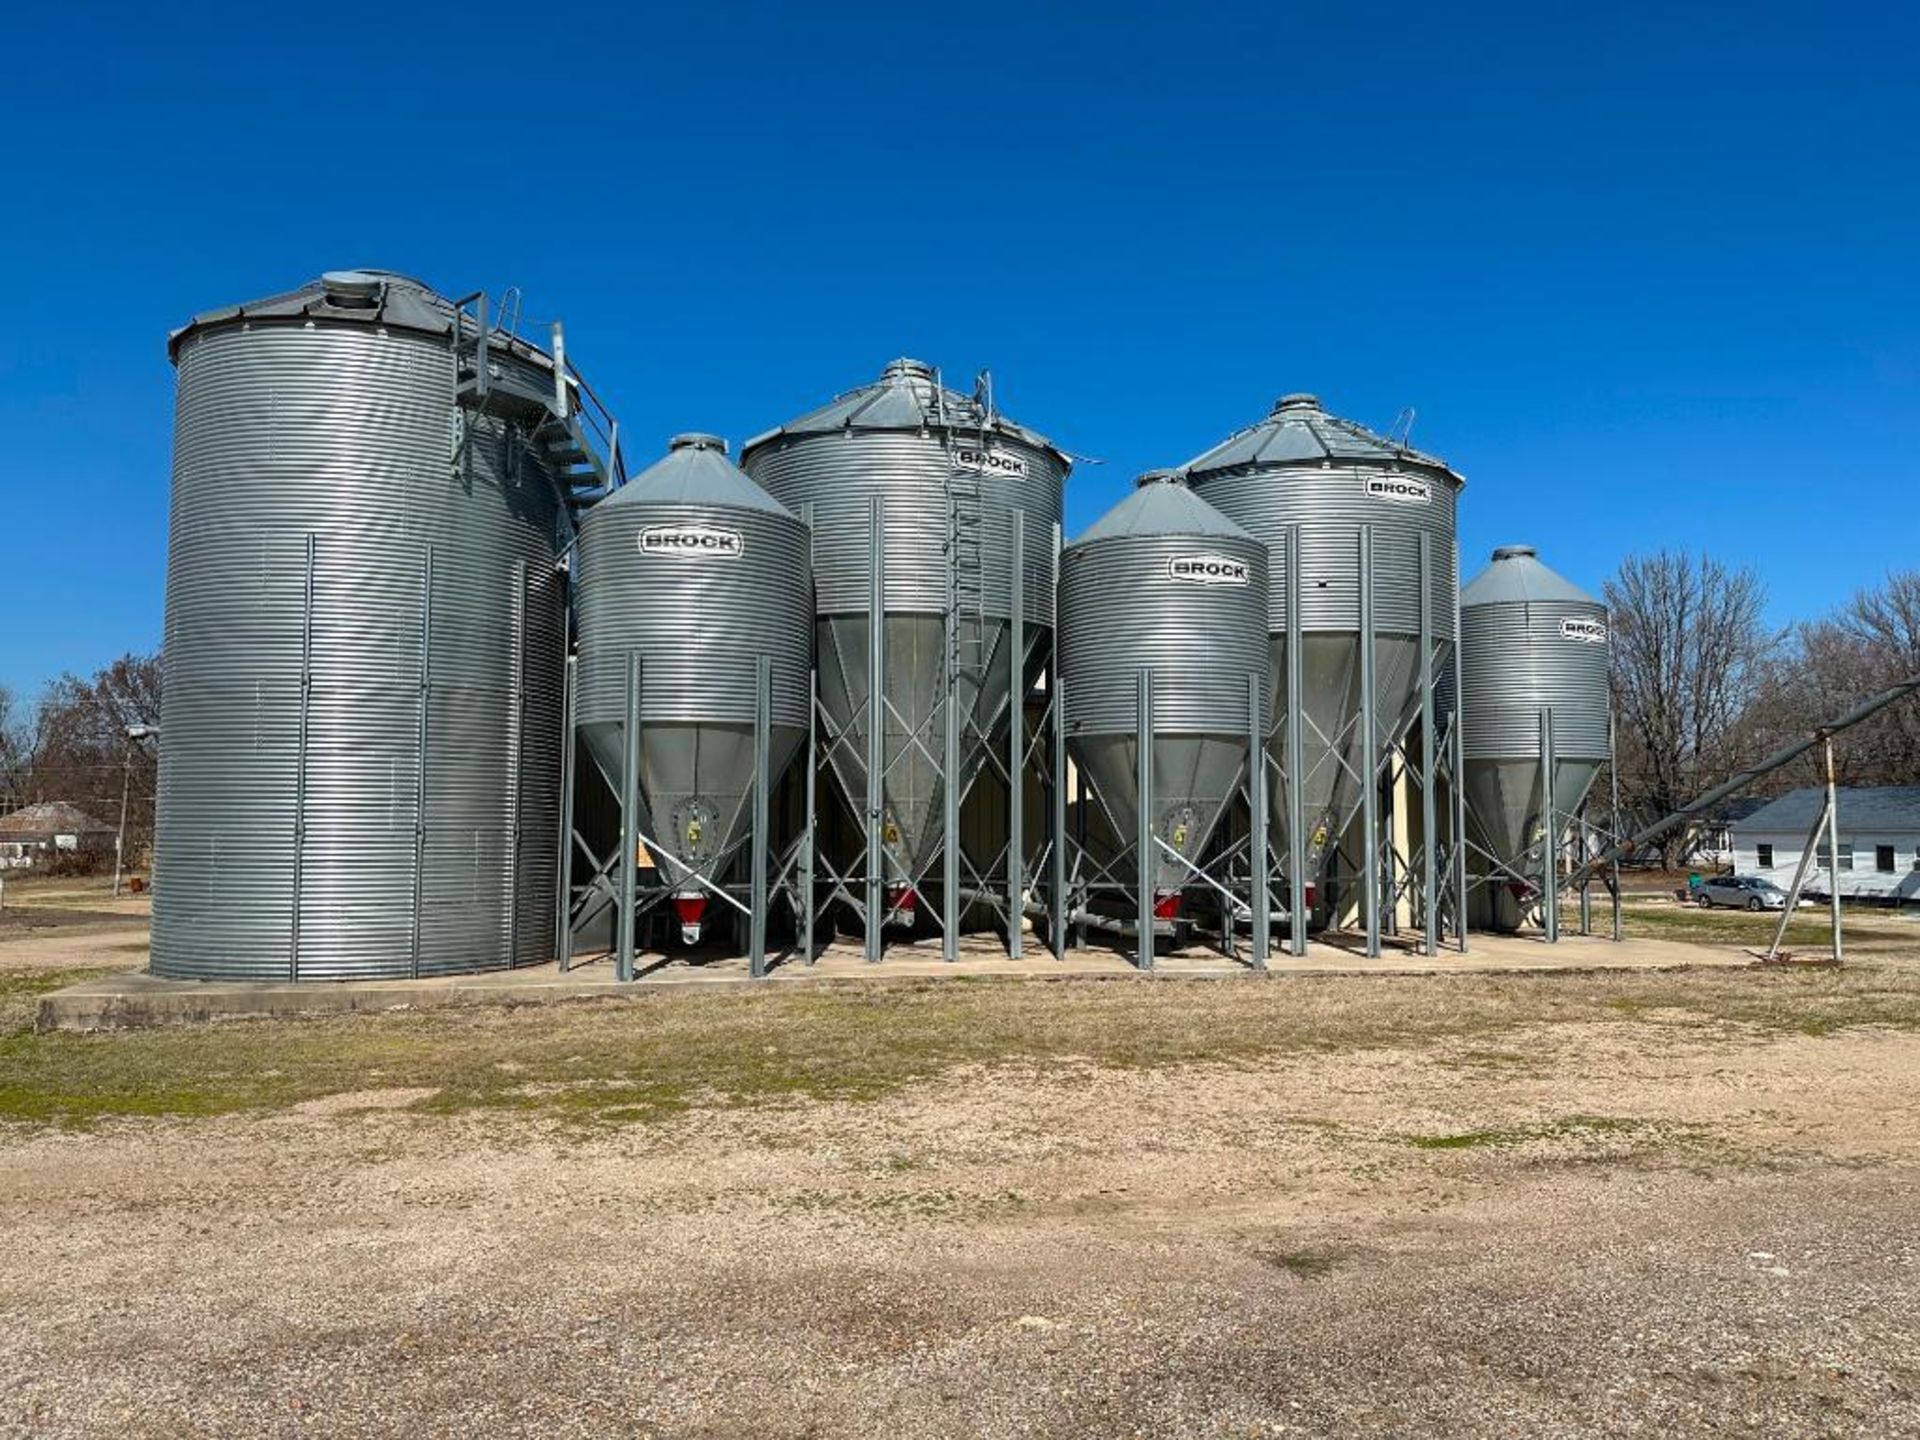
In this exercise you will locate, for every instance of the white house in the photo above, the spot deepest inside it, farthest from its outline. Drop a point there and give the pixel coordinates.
(1879, 842)
(34, 831)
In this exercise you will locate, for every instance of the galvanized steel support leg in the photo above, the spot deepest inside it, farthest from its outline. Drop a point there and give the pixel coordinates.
(1143, 813)
(1080, 846)
(1296, 756)
(1260, 918)
(1369, 756)
(422, 702)
(1586, 886)
(762, 778)
(811, 839)
(1429, 820)
(950, 773)
(876, 731)
(1613, 876)
(300, 765)
(1390, 777)
(1057, 857)
(563, 930)
(1017, 741)
(810, 854)
(629, 818)
(1459, 767)
(1549, 834)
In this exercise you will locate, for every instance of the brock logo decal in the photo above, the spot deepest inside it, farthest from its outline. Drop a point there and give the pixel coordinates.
(691, 542)
(990, 462)
(1399, 488)
(1207, 570)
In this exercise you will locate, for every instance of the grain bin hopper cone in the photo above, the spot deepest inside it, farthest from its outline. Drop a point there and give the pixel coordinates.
(1531, 645)
(920, 499)
(1163, 634)
(1369, 518)
(689, 577)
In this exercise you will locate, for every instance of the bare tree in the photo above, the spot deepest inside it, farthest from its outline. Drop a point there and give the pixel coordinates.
(1871, 643)
(1689, 659)
(75, 747)
(16, 750)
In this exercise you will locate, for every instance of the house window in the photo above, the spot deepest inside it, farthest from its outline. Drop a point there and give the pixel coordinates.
(1823, 856)
(1764, 854)
(1883, 859)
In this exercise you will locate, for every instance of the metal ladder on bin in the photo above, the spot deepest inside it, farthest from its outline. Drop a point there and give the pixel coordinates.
(966, 560)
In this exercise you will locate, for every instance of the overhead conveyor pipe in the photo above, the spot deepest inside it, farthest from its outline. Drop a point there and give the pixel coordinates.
(1872, 705)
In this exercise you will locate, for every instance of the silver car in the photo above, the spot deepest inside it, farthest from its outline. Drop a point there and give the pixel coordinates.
(1740, 892)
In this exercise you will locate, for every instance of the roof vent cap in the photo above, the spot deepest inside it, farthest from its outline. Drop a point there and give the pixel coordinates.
(698, 440)
(1160, 477)
(1515, 552)
(1299, 400)
(906, 369)
(353, 289)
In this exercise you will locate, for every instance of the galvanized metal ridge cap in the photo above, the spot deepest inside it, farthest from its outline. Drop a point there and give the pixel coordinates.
(405, 304)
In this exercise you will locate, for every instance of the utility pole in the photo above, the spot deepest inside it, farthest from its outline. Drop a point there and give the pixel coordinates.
(1833, 844)
(134, 732)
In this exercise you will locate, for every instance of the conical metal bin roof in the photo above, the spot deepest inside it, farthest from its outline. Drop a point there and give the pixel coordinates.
(1516, 575)
(908, 397)
(694, 471)
(1299, 431)
(1161, 504)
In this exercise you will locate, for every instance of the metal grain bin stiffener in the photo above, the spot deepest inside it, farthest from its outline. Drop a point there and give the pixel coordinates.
(1163, 631)
(942, 515)
(1534, 659)
(689, 577)
(364, 650)
(1355, 507)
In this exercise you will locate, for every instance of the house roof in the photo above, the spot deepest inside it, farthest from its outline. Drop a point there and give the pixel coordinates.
(49, 818)
(1885, 807)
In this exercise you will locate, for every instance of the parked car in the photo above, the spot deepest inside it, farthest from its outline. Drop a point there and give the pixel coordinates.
(1740, 892)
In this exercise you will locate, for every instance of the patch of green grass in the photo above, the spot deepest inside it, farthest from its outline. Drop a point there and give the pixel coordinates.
(1312, 1264)
(1867, 930)
(1570, 1127)
(655, 1057)
(1495, 1060)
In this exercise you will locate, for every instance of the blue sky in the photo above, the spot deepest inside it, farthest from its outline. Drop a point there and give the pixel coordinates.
(1649, 274)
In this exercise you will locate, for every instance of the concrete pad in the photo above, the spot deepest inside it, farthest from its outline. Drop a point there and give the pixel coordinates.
(138, 1000)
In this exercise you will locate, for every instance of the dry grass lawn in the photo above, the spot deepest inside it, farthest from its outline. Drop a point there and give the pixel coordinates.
(1475, 1206)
